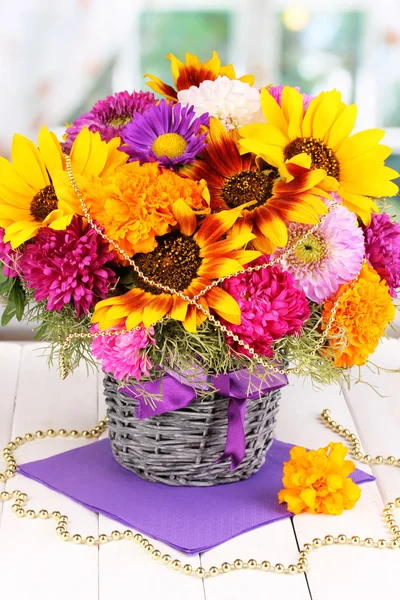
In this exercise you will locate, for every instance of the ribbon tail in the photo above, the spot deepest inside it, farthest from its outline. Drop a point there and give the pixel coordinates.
(235, 446)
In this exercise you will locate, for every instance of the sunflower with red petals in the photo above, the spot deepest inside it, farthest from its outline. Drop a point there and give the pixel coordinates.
(186, 260)
(235, 179)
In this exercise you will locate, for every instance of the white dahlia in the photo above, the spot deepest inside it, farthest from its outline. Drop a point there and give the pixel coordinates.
(231, 101)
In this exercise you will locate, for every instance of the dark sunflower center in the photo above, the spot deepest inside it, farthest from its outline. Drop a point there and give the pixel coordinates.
(247, 186)
(43, 203)
(322, 156)
(174, 263)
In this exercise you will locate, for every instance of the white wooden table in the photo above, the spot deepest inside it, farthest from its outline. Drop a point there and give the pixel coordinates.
(35, 563)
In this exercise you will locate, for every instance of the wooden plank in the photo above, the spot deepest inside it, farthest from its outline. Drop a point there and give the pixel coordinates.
(376, 412)
(9, 366)
(117, 560)
(299, 423)
(31, 554)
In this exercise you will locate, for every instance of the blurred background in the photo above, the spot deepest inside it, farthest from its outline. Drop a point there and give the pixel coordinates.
(58, 58)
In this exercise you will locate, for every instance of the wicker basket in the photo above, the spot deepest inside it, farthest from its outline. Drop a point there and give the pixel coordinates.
(181, 447)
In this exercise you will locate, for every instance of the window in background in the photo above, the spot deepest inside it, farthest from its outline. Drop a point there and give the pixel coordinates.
(320, 50)
(197, 32)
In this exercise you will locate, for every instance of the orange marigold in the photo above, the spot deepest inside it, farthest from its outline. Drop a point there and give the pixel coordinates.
(317, 481)
(135, 203)
(362, 315)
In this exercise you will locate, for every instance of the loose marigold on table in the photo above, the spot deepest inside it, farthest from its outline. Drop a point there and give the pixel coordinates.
(317, 481)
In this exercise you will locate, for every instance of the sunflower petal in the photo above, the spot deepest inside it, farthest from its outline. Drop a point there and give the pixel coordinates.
(156, 309)
(213, 268)
(179, 309)
(190, 320)
(185, 217)
(272, 111)
(292, 108)
(20, 232)
(359, 143)
(223, 304)
(214, 226)
(28, 162)
(342, 127)
(50, 150)
(222, 247)
(272, 226)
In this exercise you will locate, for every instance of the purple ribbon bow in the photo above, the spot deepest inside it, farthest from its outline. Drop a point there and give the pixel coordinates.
(239, 386)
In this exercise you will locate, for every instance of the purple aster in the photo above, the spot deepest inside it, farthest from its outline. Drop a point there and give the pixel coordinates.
(328, 257)
(68, 266)
(276, 92)
(382, 248)
(109, 116)
(168, 133)
(8, 257)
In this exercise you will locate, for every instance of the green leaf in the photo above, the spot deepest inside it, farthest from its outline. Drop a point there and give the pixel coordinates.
(40, 331)
(17, 298)
(3, 278)
(8, 314)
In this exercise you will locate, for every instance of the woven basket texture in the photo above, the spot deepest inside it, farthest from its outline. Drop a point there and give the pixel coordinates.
(181, 447)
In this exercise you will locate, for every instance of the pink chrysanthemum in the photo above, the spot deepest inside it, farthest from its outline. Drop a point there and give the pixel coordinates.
(382, 247)
(8, 257)
(123, 355)
(276, 93)
(68, 266)
(271, 307)
(327, 258)
(109, 116)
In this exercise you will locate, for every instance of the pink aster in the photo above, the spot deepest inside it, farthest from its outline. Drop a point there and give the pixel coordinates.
(330, 256)
(271, 307)
(109, 116)
(276, 93)
(8, 257)
(68, 266)
(124, 355)
(382, 247)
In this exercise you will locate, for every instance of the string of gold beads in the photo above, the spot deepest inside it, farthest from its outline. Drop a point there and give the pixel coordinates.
(300, 566)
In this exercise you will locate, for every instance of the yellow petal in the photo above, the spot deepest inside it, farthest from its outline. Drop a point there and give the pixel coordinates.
(156, 309)
(359, 143)
(185, 217)
(224, 305)
(342, 127)
(264, 133)
(213, 268)
(308, 496)
(272, 112)
(309, 116)
(10, 179)
(60, 222)
(272, 154)
(50, 150)
(21, 232)
(325, 115)
(292, 108)
(28, 162)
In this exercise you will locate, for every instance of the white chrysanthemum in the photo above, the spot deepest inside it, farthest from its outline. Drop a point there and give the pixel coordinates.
(231, 101)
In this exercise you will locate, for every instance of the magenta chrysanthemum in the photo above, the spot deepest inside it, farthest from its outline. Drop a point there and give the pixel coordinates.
(271, 307)
(8, 257)
(382, 247)
(109, 116)
(276, 93)
(123, 355)
(68, 266)
(328, 257)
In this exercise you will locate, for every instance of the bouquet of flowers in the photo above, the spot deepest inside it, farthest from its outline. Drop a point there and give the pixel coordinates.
(213, 228)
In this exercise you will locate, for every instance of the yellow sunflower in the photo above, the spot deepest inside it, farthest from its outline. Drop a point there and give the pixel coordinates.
(322, 133)
(186, 261)
(193, 73)
(234, 180)
(29, 197)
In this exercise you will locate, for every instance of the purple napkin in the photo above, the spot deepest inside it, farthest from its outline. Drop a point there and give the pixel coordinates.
(190, 519)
